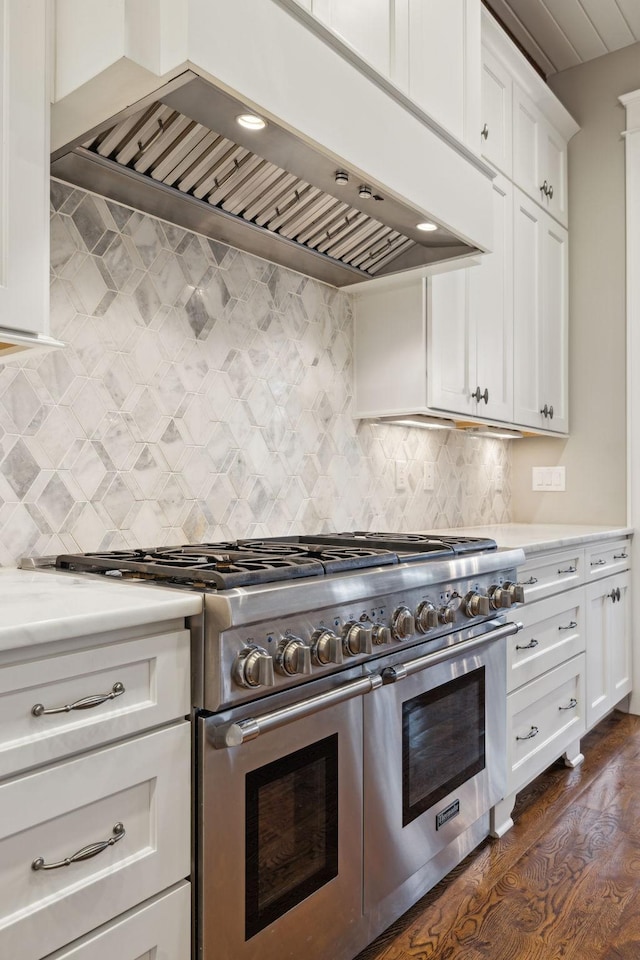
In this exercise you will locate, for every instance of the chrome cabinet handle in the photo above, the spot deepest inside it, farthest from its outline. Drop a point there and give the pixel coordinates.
(570, 569)
(484, 133)
(545, 411)
(570, 626)
(598, 563)
(86, 853)
(544, 188)
(573, 703)
(551, 412)
(620, 556)
(478, 395)
(528, 646)
(39, 710)
(550, 191)
(618, 594)
(532, 733)
(615, 595)
(485, 395)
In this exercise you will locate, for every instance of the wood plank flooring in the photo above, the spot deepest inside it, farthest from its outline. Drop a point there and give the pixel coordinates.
(563, 884)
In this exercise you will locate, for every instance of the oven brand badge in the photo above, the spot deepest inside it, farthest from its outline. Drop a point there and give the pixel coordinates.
(447, 814)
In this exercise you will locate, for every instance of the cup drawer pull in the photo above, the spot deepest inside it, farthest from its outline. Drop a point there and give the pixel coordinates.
(570, 569)
(570, 626)
(86, 853)
(39, 710)
(598, 563)
(573, 703)
(620, 556)
(527, 646)
(532, 733)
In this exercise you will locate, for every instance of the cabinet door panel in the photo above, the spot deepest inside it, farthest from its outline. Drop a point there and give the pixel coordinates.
(598, 680)
(451, 343)
(526, 305)
(436, 50)
(620, 645)
(554, 170)
(491, 305)
(497, 87)
(554, 321)
(527, 121)
(365, 24)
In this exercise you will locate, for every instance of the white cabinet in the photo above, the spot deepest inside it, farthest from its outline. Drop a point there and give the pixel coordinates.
(608, 644)
(496, 126)
(539, 157)
(24, 176)
(365, 24)
(541, 317)
(470, 321)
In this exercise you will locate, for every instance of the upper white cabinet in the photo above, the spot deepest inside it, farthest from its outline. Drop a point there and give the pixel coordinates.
(540, 282)
(496, 127)
(24, 176)
(365, 24)
(539, 157)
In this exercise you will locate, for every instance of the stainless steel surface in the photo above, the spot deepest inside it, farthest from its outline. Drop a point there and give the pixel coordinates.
(86, 853)
(86, 703)
(181, 155)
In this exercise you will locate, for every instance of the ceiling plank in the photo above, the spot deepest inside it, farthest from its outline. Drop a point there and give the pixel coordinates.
(576, 26)
(631, 12)
(609, 22)
(539, 22)
(518, 31)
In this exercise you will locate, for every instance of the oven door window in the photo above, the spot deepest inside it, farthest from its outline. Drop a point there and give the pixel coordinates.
(443, 742)
(291, 831)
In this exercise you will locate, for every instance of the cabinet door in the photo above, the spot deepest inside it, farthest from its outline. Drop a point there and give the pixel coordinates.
(554, 321)
(526, 310)
(24, 168)
(364, 24)
(496, 120)
(451, 343)
(553, 167)
(608, 645)
(491, 307)
(527, 134)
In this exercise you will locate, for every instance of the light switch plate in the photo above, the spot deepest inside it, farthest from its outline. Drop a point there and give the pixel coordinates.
(429, 476)
(548, 479)
(401, 474)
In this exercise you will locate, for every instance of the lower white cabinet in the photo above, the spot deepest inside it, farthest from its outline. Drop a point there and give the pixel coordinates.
(159, 929)
(608, 644)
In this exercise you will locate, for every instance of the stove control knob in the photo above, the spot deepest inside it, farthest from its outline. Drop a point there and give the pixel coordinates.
(426, 616)
(476, 605)
(447, 615)
(357, 638)
(326, 647)
(380, 634)
(499, 597)
(253, 667)
(403, 624)
(293, 656)
(516, 591)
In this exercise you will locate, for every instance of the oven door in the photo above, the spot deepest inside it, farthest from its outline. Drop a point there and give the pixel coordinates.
(280, 828)
(435, 754)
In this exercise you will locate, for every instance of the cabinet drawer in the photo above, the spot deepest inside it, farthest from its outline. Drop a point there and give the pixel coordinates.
(554, 631)
(153, 672)
(605, 558)
(142, 784)
(158, 930)
(550, 573)
(542, 720)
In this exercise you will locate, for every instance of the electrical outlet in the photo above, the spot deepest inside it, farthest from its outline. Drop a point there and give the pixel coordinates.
(548, 479)
(429, 476)
(498, 481)
(401, 474)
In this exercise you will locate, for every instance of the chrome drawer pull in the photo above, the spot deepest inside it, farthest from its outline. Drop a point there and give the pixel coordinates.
(528, 646)
(570, 569)
(528, 582)
(569, 626)
(598, 563)
(620, 556)
(38, 709)
(532, 733)
(573, 703)
(615, 595)
(92, 850)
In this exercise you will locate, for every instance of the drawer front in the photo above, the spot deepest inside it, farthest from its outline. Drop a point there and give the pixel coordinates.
(553, 631)
(160, 929)
(143, 784)
(545, 575)
(606, 558)
(543, 718)
(153, 673)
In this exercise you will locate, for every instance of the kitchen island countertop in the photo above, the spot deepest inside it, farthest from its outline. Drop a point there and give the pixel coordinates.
(539, 537)
(42, 607)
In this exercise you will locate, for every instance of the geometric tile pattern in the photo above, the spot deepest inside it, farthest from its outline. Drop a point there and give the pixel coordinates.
(204, 394)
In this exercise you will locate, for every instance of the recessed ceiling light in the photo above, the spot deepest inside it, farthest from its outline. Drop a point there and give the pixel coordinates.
(365, 192)
(426, 226)
(251, 121)
(342, 177)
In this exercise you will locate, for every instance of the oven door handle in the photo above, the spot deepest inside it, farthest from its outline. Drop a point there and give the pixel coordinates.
(240, 731)
(402, 670)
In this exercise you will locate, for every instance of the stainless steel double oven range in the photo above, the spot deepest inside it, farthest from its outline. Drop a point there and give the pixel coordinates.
(349, 711)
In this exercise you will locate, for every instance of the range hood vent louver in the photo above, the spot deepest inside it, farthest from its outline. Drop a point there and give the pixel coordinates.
(168, 158)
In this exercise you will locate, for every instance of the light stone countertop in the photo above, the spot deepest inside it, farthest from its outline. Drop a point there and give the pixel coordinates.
(41, 607)
(539, 537)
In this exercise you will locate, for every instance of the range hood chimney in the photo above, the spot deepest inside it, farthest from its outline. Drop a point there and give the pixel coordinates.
(182, 155)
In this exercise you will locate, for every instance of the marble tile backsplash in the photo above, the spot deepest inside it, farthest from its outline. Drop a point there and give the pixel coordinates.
(204, 394)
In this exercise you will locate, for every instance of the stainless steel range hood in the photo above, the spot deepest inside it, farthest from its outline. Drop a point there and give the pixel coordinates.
(181, 155)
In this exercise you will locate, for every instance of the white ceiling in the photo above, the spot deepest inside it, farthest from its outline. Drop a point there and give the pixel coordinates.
(559, 34)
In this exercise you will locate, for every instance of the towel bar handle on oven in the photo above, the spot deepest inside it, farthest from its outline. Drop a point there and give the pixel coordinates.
(240, 731)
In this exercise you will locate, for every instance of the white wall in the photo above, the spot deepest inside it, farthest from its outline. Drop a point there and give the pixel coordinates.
(595, 453)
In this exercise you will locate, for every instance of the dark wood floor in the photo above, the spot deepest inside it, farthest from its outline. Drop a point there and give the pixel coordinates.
(563, 884)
